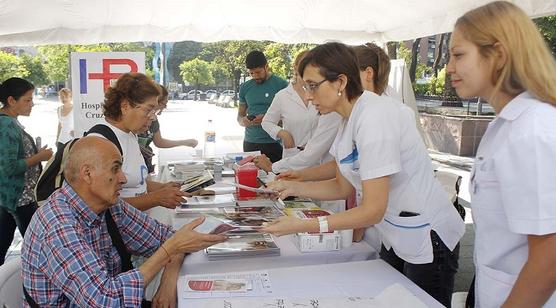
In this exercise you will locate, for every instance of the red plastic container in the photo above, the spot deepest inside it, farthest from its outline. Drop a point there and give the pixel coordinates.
(247, 175)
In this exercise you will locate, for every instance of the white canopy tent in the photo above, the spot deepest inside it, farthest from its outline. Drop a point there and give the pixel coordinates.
(39, 22)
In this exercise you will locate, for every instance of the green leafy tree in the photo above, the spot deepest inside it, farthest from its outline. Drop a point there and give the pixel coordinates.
(183, 51)
(196, 72)
(219, 73)
(11, 66)
(55, 61)
(37, 75)
(279, 59)
(547, 27)
(231, 56)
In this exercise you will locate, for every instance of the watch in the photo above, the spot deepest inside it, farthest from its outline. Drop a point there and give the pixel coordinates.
(323, 224)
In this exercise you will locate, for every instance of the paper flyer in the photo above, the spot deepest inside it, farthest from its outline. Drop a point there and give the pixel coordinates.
(236, 284)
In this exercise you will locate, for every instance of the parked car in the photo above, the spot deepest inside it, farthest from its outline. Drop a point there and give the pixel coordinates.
(191, 95)
(211, 92)
(231, 93)
(225, 101)
(212, 99)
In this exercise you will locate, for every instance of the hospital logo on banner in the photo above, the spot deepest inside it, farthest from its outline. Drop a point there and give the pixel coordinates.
(92, 73)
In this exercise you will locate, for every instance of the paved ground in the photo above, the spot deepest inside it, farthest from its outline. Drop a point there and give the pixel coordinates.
(187, 119)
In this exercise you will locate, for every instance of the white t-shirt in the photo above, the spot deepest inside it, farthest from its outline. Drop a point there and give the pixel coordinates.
(513, 194)
(133, 166)
(380, 139)
(299, 120)
(66, 123)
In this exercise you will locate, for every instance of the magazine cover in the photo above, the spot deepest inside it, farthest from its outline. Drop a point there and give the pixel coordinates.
(245, 244)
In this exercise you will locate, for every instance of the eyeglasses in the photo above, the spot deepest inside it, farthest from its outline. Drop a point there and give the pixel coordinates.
(312, 87)
(148, 113)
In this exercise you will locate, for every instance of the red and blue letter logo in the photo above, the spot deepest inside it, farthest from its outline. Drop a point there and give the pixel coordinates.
(106, 75)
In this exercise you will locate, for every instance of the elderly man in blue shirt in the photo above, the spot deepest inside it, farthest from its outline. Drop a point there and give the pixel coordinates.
(68, 258)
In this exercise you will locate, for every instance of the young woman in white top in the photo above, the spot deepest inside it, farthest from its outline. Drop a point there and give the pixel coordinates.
(65, 118)
(498, 54)
(306, 136)
(128, 106)
(380, 153)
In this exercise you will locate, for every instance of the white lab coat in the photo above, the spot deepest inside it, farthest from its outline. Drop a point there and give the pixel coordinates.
(380, 139)
(298, 119)
(513, 188)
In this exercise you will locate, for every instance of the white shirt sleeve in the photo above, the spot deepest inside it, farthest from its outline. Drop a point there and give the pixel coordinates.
(526, 172)
(378, 138)
(273, 116)
(316, 147)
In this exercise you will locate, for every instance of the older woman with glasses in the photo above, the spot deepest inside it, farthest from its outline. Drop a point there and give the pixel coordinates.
(129, 106)
(379, 152)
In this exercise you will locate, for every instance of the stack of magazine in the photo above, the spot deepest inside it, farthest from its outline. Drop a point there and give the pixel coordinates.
(240, 245)
(197, 182)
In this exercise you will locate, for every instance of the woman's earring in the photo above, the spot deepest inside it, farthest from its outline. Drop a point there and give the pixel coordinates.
(339, 93)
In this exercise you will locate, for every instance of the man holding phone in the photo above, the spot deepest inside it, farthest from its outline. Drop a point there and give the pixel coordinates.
(255, 96)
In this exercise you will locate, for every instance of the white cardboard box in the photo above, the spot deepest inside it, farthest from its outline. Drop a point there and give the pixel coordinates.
(315, 242)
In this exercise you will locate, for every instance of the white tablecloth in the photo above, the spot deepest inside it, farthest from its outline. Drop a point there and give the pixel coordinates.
(198, 263)
(364, 278)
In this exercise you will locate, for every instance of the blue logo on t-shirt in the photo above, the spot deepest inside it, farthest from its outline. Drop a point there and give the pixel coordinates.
(144, 173)
(354, 156)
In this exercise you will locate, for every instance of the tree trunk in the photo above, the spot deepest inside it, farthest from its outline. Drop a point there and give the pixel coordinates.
(392, 47)
(449, 95)
(236, 76)
(439, 53)
(196, 89)
(414, 55)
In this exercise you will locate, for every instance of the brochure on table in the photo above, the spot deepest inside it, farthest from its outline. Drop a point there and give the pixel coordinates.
(252, 283)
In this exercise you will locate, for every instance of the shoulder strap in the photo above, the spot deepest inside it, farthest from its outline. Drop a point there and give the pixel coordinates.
(118, 242)
(108, 133)
(29, 299)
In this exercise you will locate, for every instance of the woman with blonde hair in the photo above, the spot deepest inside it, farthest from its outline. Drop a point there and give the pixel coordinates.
(65, 118)
(499, 55)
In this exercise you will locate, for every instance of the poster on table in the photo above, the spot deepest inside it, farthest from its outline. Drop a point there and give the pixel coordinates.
(92, 73)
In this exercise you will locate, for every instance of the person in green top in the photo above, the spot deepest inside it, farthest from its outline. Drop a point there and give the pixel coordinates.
(255, 96)
(20, 161)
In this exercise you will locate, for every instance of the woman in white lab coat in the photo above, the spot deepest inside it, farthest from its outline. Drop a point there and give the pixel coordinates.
(379, 152)
(498, 54)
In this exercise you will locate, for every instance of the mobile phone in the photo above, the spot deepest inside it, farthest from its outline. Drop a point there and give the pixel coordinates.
(408, 214)
(251, 117)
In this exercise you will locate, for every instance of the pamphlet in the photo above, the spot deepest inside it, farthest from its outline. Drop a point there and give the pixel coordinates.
(255, 283)
(244, 245)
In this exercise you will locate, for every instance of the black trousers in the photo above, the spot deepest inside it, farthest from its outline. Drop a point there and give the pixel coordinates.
(8, 223)
(436, 278)
(272, 150)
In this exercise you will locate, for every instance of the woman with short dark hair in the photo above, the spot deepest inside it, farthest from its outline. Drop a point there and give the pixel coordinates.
(379, 152)
(20, 161)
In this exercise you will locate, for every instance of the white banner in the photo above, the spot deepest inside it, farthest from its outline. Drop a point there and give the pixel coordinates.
(92, 73)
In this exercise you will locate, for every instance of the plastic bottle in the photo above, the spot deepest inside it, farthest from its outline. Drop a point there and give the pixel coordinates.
(210, 141)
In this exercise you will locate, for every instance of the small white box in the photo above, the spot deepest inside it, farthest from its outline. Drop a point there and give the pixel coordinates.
(315, 242)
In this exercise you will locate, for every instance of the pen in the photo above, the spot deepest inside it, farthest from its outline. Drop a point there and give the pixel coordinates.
(261, 181)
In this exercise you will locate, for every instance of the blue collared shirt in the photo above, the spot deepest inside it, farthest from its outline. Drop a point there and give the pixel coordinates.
(68, 257)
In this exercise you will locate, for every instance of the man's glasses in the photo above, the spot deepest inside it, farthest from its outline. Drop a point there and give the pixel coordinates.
(311, 87)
